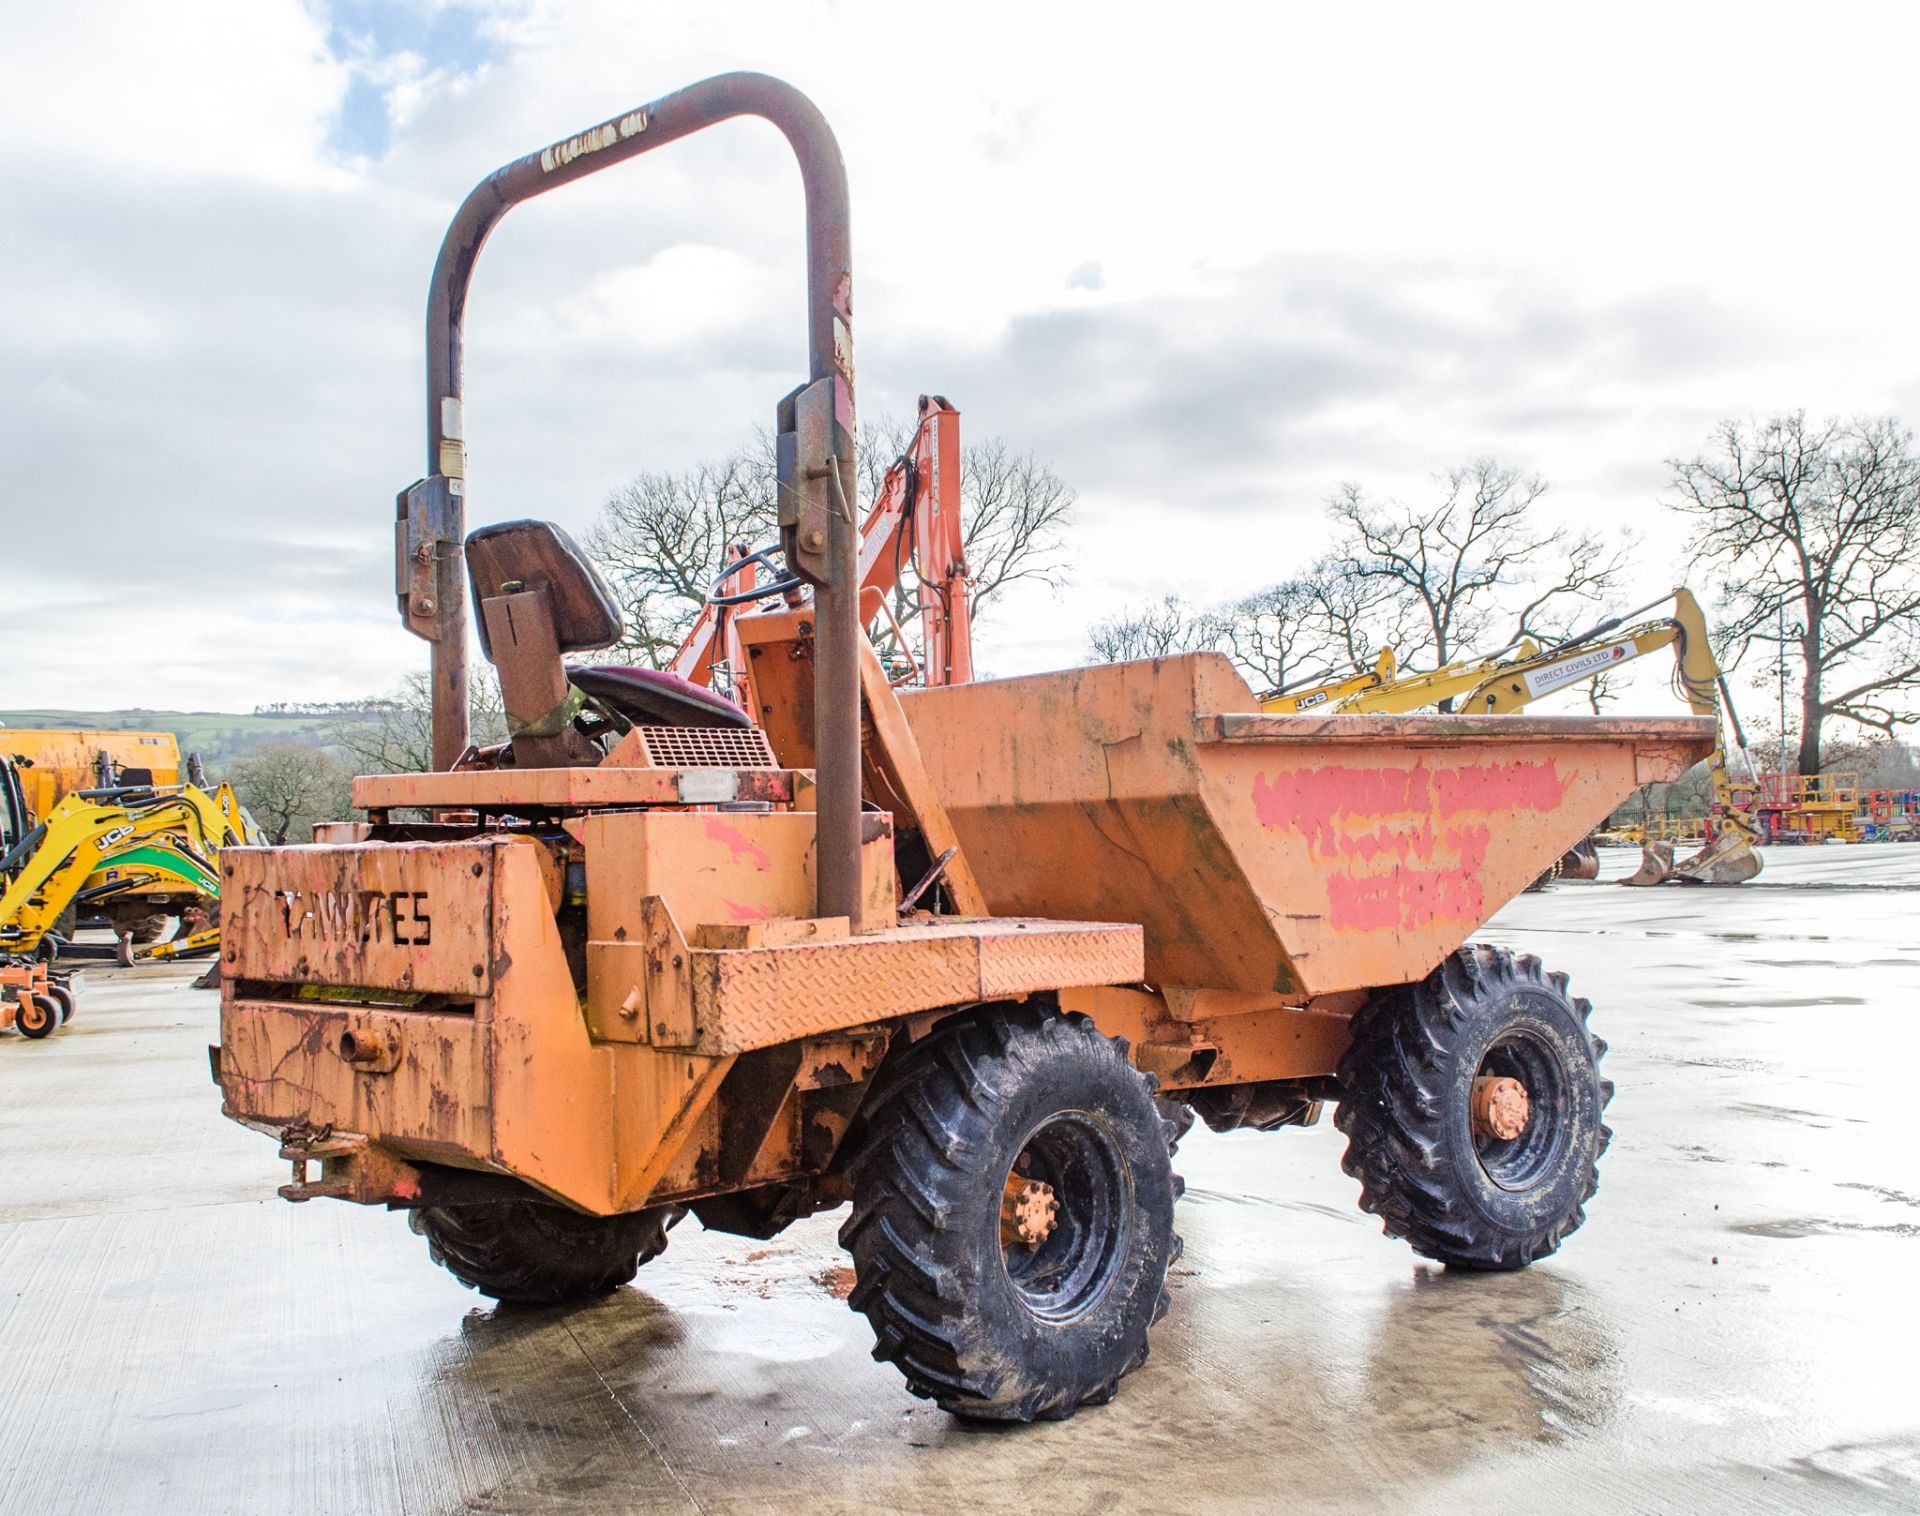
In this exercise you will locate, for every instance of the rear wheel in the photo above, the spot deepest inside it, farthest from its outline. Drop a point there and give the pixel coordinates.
(144, 928)
(1472, 1105)
(1012, 1215)
(532, 1252)
(63, 998)
(36, 1016)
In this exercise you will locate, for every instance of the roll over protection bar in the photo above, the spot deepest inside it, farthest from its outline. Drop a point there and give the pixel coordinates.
(815, 427)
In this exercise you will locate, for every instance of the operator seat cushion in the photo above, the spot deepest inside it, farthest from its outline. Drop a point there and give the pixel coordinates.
(654, 697)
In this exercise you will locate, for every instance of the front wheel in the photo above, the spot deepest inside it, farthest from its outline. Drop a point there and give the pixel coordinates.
(532, 1252)
(1012, 1215)
(1472, 1105)
(36, 1016)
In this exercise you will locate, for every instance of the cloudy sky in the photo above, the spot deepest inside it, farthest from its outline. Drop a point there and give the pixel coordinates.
(1210, 262)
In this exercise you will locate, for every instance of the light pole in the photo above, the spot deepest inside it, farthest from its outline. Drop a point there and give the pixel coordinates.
(1780, 642)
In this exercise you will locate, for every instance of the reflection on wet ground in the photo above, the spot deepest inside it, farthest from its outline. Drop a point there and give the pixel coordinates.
(1729, 1332)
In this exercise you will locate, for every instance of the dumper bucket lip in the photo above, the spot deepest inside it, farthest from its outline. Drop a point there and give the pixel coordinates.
(1320, 730)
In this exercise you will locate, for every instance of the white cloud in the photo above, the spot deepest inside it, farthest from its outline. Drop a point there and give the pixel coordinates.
(200, 90)
(1209, 264)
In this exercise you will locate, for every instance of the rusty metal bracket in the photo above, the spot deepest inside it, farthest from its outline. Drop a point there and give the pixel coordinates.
(426, 545)
(321, 1145)
(912, 897)
(806, 472)
(669, 1009)
(351, 1168)
(828, 1063)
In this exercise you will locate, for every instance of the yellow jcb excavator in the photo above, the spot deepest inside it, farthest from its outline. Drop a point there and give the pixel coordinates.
(100, 846)
(1524, 672)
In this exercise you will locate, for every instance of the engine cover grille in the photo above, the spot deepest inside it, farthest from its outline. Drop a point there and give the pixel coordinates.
(706, 747)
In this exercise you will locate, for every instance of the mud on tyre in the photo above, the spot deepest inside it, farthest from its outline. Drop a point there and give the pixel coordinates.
(1012, 1216)
(1459, 1184)
(531, 1252)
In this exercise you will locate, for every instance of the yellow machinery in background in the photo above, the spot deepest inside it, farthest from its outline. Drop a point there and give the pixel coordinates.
(1810, 807)
(129, 853)
(136, 899)
(1525, 672)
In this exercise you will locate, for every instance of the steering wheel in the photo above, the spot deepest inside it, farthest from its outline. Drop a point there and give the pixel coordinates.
(763, 559)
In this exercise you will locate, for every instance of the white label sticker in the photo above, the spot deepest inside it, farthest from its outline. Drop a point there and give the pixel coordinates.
(1580, 666)
(592, 140)
(708, 786)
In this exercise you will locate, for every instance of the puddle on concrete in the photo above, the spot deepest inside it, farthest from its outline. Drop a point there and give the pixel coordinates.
(1809, 1226)
(1894, 1197)
(1784, 1113)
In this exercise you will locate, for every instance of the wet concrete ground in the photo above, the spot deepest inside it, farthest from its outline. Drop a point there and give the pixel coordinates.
(1735, 1329)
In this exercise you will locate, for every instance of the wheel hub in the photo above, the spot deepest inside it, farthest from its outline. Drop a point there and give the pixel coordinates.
(1029, 1211)
(1500, 1109)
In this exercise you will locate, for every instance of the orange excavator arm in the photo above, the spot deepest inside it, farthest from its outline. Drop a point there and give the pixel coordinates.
(915, 518)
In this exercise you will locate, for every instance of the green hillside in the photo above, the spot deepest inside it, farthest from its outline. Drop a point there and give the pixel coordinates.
(217, 736)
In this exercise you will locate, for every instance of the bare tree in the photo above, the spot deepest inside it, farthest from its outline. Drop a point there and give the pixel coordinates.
(1353, 617)
(1277, 637)
(1158, 629)
(1320, 625)
(287, 786)
(1014, 512)
(393, 734)
(1280, 635)
(1014, 509)
(663, 538)
(1475, 564)
(1814, 532)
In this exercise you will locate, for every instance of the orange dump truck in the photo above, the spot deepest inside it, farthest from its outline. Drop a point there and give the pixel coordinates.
(965, 963)
(54, 763)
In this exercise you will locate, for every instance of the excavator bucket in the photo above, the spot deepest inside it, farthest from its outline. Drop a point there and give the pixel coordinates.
(1581, 861)
(1656, 864)
(1728, 859)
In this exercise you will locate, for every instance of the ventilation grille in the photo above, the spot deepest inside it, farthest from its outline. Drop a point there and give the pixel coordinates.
(707, 747)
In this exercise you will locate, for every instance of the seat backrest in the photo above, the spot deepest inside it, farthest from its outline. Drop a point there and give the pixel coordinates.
(516, 557)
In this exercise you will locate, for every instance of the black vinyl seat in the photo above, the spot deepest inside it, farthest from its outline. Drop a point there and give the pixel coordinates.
(654, 697)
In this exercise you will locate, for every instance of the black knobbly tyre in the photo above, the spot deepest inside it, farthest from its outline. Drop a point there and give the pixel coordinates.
(148, 928)
(1472, 1104)
(531, 1252)
(1012, 1215)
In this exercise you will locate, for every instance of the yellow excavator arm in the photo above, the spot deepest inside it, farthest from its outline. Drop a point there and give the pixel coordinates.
(1383, 691)
(87, 851)
(1730, 858)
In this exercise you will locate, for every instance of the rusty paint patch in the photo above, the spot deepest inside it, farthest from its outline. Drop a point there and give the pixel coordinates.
(1318, 800)
(1404, 848)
